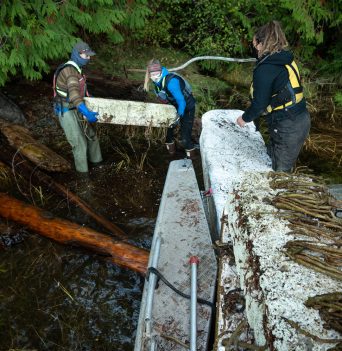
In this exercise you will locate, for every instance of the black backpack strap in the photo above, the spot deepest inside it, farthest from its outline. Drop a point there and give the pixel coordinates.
(172, 75)
(168, 78)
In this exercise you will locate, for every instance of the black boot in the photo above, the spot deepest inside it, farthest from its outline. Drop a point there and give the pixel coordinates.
(191, 154)
(171, 148)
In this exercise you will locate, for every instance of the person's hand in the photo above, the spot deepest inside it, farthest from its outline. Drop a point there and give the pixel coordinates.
(90, 116)
(240, 122)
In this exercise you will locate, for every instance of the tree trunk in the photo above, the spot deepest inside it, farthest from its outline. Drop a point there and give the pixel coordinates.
(65, 232)
(20, 138)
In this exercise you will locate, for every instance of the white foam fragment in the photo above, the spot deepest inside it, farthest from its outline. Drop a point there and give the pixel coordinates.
(224, 146)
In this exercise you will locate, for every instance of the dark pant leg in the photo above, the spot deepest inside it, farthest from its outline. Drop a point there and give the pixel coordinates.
(93, 151)
(187, 122)
(169, 135)
(287, 136)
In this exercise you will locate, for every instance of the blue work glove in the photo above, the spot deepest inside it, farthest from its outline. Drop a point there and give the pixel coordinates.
(176, 122)
(89, 115)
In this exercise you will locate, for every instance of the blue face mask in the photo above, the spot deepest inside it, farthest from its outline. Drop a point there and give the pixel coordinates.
(75, 56)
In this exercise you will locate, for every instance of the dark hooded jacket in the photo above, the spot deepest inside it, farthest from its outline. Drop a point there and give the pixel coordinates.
(269, 77)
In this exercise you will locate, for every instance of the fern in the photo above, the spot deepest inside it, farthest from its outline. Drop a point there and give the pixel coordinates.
(33, 32)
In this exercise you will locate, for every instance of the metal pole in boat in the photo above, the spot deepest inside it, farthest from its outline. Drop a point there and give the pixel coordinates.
(193, 315)
(150, 290)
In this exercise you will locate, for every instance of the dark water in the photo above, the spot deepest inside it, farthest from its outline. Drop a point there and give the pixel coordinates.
(56, 297)
(60, 298)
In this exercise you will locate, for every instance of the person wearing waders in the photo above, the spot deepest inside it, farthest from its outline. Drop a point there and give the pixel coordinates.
(173, 89)
(75, 118)
(276, 92)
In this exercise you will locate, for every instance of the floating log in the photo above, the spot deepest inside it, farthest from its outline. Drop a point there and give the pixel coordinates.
(132, 113)
(20, 138)
(66, 232)
(38, 177)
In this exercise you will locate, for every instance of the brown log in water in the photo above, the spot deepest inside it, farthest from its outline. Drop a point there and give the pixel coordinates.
(39, 177)
(65, 232)
(20, 138)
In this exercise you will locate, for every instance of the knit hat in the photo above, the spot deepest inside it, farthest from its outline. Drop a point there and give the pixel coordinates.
(154, 66)
(82, 47)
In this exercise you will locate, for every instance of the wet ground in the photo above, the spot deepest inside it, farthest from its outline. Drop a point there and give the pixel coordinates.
(56, 297)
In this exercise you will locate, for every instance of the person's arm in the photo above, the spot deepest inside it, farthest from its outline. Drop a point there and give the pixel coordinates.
(262, 92)
(74, 94)
(175, 89)
(70, 76)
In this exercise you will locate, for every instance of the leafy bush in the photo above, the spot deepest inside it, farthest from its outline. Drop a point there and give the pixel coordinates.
(34, 32)
(225, 28)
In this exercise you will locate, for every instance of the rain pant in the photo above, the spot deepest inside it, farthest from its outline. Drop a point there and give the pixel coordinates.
(82, 137)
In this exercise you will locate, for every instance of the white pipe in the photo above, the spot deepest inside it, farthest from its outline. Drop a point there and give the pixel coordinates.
(220, 58)
(193, 315)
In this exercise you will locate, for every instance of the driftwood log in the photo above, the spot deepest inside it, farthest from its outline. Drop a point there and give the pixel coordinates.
(20, 138)
(65, 232)
(38, 177)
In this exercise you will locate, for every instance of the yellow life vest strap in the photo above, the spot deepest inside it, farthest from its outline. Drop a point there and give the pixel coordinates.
(294, 89)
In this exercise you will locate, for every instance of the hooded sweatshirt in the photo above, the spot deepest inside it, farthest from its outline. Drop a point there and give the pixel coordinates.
(269, 77)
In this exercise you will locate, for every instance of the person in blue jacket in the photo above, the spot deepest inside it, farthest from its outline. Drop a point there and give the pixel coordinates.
(174, 89)
(276, 92)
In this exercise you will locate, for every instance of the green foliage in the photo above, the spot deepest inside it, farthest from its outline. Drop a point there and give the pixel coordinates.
(226, 28)
(136, 12)
(338, 99)
(307, 18)
(221, 27)
(215, 27)
(33, 32)
(206, 101)
(332, 65)
(157, 32)
(311, 24)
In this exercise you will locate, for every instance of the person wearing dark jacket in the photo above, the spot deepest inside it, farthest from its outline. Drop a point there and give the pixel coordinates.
(175, 90)
(276, 91)
(77, 121)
